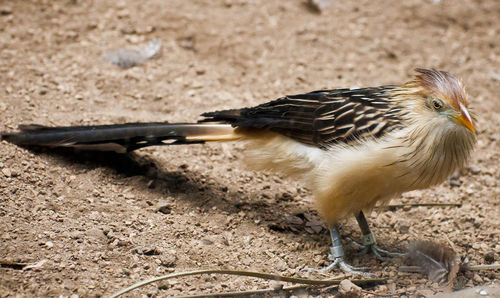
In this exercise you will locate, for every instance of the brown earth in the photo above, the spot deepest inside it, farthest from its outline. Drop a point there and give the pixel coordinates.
(94, 220)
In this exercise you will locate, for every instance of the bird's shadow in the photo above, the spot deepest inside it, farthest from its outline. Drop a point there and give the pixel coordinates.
(183, 184)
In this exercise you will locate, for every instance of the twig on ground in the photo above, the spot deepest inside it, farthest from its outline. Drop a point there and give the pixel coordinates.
(480, 267)
(394, 206)
(463, 267)
(248, 293)
(305, 281)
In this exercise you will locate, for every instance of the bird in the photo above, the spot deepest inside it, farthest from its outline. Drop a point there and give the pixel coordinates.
(353, 147)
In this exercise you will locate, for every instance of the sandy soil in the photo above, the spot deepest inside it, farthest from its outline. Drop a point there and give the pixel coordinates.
(100, 222)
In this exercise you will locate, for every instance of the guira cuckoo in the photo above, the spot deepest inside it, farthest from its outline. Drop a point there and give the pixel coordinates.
(353, 147)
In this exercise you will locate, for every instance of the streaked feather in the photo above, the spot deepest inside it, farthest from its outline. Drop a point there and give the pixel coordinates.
(440, 262)
(321, 118)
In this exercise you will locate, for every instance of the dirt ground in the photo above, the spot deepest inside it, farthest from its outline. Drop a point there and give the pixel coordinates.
(97, 223)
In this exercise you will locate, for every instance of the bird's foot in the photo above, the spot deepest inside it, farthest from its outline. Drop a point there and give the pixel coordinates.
(346, 268)
(337, 256)
(369, 244)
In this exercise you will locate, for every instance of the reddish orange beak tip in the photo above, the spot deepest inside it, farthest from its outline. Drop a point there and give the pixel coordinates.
(467, 123)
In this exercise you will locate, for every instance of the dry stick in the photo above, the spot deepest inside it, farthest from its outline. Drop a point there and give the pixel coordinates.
(481, 267)
(422, 205)
(463, 268)
(307, 281)
(246, 293)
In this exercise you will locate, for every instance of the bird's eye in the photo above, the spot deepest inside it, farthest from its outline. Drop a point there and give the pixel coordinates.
(437, 104)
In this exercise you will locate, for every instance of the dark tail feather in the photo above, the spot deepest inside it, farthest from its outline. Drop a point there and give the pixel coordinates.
(120, 137)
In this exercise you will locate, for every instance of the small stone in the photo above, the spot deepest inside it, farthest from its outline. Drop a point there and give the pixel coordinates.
(147, 250)
(206, 241)
(280, 265)
(276, 285)
(285, 197)
(455, 182)
(91, 26)
(489, 257)
(349, 290)
(165, 209)
(424, 293)
(320, 5)
(168, 260)
(404, 226)
(483, 292)
(129, 196)
(187, 42)
(49, 244)
(474, 170)
(7, 172)
(477, 278)
(43, 91)
(6, 10)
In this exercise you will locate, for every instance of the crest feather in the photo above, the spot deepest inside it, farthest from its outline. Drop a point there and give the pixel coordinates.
(444, 85)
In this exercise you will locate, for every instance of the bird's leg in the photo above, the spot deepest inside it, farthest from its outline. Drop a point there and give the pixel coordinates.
(337, 256)
(369, 242)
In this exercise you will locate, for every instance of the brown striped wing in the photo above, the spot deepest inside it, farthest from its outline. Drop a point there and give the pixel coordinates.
(321, 118)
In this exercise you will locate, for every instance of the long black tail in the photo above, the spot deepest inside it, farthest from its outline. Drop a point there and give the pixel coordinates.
(120, 137)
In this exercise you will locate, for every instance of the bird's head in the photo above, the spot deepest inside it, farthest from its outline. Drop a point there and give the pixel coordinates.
(445, 95)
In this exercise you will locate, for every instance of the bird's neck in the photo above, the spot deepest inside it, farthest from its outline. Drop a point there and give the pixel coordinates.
(435, 149)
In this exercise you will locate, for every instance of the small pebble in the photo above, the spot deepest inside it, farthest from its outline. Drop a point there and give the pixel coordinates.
(206, 241)
(424, 293)
(168, 260)
(7, 172)
(320, 5)
(477, 278)
(165, 209)
(490, 257)
(474, 170)
(455, 182)
(129, 196)
(348, 289)
(147, 250)
(6, 10)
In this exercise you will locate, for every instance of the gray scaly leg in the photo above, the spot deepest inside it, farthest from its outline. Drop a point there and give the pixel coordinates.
(369, 242)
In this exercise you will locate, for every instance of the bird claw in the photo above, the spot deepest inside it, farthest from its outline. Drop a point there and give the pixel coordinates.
(349, 269)
(380, 253)
(342, 265)
(390, 256)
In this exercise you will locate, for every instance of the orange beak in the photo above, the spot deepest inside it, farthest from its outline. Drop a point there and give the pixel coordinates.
(465, 119)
